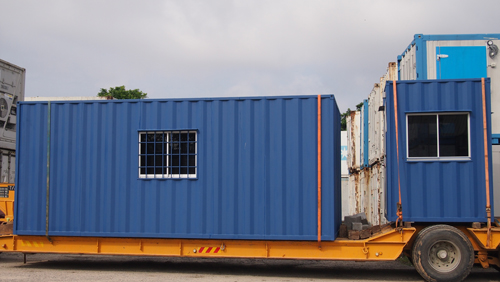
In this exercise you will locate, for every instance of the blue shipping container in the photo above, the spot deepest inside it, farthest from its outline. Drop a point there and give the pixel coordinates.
(225, 168)
(441, 150)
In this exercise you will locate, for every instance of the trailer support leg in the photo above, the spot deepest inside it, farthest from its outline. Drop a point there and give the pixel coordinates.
(482, 257)
(24, 258)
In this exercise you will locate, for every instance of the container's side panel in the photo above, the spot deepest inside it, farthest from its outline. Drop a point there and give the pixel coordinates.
(354, 193)
(432, 45)
(245, 200)
(374, 103)
(353, 141)
(291, 147)
(407, 65)
(437, 190)
(364, 193)
(31, 173)
(344, 174)
(256, 173)
(64, 172)
(353, 161)
(331, 186)
(377, 194)
(277, 191)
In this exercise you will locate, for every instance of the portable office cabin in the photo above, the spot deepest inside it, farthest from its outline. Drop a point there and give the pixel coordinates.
(458, 56)
(441, 150)
(227, 168)
(455, 56)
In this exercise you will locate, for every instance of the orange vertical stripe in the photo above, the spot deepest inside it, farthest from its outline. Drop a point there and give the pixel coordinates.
(486, 164)
(319, 168)
(399, 205)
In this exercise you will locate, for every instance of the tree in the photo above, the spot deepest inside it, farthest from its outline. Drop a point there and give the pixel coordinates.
(343, 117)
(120, 92)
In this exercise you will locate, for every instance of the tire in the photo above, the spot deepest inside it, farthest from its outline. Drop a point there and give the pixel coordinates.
(442, 253)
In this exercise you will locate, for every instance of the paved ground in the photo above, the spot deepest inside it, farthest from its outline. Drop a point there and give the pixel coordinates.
(117, 268)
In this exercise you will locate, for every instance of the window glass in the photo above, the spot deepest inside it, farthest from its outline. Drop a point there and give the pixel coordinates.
(453, 135)
(428, 140)
(422, 136)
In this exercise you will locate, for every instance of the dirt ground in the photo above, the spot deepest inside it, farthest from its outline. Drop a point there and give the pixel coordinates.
(44, 267)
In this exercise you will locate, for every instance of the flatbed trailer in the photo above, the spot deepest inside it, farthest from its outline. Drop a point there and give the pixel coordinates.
(388, 245)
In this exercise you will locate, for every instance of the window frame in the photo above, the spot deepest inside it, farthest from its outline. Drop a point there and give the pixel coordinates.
(166, 155)
(438, 157)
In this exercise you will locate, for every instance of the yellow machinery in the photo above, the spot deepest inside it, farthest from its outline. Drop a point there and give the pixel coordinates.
(7, 201)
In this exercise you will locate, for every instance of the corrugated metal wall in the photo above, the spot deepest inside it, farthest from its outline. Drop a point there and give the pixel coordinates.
(367, 191)
(256, 178)
(353, 141)
(434, 190)
(408, 64)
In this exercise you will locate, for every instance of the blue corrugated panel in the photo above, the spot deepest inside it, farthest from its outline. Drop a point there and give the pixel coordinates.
(256, 169)
(365, 140)
(438, 190)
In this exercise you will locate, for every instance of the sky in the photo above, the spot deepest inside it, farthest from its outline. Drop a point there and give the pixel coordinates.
(216, 48)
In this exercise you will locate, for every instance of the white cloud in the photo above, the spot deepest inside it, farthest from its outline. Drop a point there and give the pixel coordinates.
(217, 48)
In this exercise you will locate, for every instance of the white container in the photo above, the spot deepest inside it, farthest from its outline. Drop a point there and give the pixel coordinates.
(11, 91)
(353, 141)
(375, 133)
(377, 194)
(345, 196)
(353, 195)
(376, 109)
(7, 166)
(344, 171)
(363, 135)
(366, 193)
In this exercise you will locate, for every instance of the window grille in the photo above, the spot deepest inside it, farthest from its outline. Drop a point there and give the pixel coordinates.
(168, 154)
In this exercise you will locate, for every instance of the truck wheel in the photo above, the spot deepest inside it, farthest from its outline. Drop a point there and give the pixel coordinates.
(443, 253)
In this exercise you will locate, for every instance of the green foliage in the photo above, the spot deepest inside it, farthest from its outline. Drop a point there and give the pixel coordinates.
(343, 122)
(120, 92)
(343, 117)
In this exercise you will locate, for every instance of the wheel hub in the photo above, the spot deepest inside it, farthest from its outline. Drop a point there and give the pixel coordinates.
(444, 256)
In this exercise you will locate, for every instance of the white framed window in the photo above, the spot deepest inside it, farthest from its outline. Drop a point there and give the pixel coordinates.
(443, 136)
(168, 154)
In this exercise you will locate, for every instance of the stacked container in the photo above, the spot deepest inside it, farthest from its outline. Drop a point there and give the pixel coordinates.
(366, 137)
